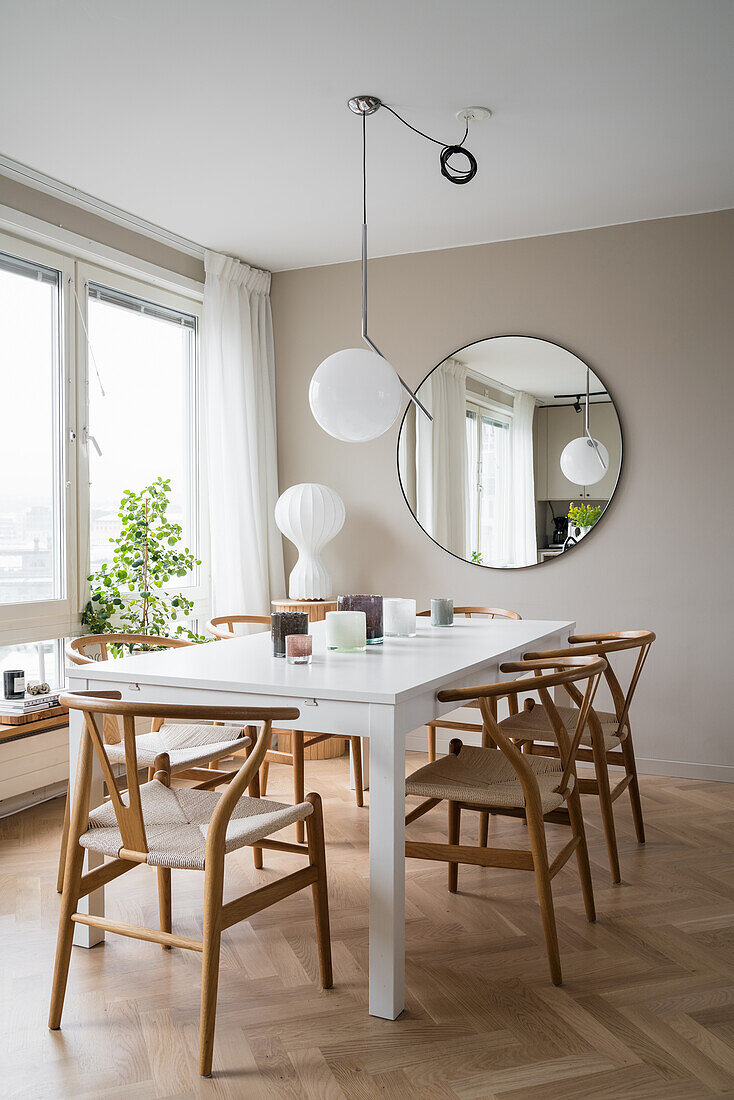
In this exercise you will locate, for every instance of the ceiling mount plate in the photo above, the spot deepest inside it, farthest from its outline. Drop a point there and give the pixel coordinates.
(364, 104)
(473, 114)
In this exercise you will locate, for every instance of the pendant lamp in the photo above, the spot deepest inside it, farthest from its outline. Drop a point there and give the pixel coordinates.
(585, 460)
(355, 393)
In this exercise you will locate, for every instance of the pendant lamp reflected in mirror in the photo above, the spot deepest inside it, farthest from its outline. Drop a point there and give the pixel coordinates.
(585, 460)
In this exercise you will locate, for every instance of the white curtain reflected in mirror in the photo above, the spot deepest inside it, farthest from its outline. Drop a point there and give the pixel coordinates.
(484, 479)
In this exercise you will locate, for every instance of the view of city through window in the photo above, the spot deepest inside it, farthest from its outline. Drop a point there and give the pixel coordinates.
(140, 423)
(140, 413)
(30, 487)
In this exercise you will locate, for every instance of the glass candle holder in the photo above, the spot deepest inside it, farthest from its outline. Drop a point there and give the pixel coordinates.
(298, 649)
(442, 612)
(399, 618)
(283, 623)
(346, 631)
(372, 607)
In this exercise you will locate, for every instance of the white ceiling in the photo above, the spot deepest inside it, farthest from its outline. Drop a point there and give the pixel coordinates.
(226, 120)
(536, 366)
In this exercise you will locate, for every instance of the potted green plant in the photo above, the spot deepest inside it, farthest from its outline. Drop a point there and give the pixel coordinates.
(581, 518)
(130, 594)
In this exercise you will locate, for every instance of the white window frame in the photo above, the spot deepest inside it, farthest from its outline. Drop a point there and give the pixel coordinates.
(477, 404)
(86, 273)
(43, 620)
(39, 620)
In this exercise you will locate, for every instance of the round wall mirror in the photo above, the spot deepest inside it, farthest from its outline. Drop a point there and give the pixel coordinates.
(522, 457)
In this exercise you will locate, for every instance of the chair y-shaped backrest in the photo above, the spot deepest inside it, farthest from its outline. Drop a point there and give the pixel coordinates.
(547, 673)
(79, 650)
(222, 626)
(602, 645)
(95, 647)
(130, 817)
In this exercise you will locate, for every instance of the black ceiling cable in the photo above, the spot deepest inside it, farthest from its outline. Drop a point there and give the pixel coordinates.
(450, 171)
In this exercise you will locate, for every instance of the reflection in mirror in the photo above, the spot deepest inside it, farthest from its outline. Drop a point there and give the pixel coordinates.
(518, 464)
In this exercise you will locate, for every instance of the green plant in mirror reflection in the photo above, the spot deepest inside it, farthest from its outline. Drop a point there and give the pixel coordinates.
(476, 557)
(583, 515)
(128, 593)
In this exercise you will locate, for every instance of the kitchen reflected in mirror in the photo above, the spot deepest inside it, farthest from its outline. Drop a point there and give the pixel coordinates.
(485, 479)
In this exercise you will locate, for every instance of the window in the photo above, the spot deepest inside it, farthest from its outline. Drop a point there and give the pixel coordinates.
(39, 660)
(31, 514)
(142, 405)
(67, 451)
(488, 450)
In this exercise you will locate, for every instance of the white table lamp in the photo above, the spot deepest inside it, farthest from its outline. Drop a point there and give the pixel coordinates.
(309, 515)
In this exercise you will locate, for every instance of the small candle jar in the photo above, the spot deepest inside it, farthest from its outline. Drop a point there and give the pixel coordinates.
(298, 649)
(283, 623)
(442, 612)
(14, 683)
(372, 607)
(399, 618)
(346, 631)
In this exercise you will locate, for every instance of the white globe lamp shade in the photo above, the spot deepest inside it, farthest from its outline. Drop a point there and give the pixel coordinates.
(580, 461)
(309, 515)
(355, 395)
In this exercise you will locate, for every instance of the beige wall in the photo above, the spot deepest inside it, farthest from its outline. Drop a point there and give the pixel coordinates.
(647, 305)
(50, 209)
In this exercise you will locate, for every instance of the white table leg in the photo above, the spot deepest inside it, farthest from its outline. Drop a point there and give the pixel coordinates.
(387, 865)
(84, 935)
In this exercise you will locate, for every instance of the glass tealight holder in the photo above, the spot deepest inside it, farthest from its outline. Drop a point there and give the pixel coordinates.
(298, 649)
(283, 623)
(346, 631)
(398, 618)
(442, 612)
(372, 607)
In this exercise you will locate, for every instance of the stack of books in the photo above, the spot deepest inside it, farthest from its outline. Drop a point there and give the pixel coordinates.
(29, 704)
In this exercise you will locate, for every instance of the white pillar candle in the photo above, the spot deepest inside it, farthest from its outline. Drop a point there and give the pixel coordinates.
(399, 618)
(346, 631)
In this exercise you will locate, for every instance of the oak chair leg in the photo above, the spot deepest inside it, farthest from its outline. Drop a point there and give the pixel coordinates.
(484, 815)
(78, 821)
(605, 804)
(319, 889)
(64, 842)
(161, 771)
(536, 835)
(355, 744)
(576, 816)
(431, 743)
(483, 829)
(630, 767)
(298, 781)
(264, 773)
(213, 890)
(454, 833)
(254, 792)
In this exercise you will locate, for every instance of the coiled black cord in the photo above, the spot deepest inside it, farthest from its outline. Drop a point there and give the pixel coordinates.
(450, 171)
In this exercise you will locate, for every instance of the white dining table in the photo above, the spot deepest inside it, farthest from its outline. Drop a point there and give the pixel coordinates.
(382, 694)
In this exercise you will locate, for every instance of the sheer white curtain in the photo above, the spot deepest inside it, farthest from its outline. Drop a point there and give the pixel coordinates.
(239, 401)
(523, 539)
(442, 482)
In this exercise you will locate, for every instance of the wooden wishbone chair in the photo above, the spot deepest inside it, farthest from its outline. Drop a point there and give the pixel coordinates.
(223, 628)
(514, 784)
(188, 746)
(162, 826)
(608, 736)
(471, 727)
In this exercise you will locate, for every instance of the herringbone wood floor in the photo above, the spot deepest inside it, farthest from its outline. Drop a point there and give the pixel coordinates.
(646, 1011)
